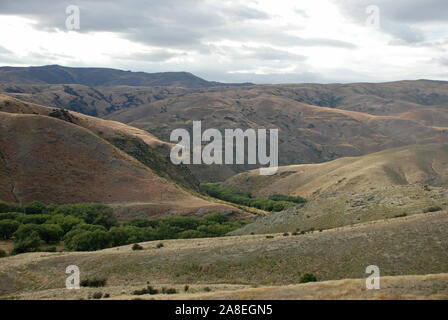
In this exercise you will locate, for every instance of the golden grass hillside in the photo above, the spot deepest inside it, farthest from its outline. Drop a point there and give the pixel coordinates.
(415, 245)
(347, 208)
(422, 164)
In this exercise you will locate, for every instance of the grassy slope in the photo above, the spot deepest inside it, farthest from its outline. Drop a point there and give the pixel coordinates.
(347, 208)
(425, 164)
(433, 286)
(414, 245)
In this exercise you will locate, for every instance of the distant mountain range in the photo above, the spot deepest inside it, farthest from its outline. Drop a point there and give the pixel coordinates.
(97, 77)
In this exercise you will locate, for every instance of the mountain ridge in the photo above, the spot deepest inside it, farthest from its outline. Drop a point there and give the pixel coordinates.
(96, 77)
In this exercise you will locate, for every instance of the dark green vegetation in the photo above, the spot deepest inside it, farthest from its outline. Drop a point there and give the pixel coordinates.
(94, 283)
(136, 246)
(151, 290)
(148, 290)
(158, 160)
(275, 202)
(92, 226)
(307, 277)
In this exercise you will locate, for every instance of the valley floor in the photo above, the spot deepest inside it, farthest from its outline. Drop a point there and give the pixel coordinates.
(421, 287)
(411, 252)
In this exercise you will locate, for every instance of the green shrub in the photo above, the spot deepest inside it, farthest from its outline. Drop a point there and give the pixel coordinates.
(94, 283)
(82, 240)
(159, 245)
(141, 223)
(7, 228)
(136, 246)
(50, 249)
(181, 223)
(34, 207)
(127, 234)
(92, 226)
(80, 229)
(217, 217)
(9, 207)
(34, 218)
(90, 213)
(67, 223)
(307, 277)
(282, 197)
(97, 295)
(12, 216)
(214, 230)
(50, 233)
(2, 253)
(190, 234)
(186, 288)
(274, 203)
(30, 243)
(169, 291)
(25, 230)
(148, 290)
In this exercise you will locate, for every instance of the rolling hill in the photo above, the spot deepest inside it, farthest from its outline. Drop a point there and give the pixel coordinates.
(317, 123)
(54, 156)
(417, 164)
(383, 185)
(371, 158)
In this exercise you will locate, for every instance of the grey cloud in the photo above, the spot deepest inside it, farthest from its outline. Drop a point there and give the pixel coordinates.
(400, 18)
(153, 56)
(400, 11)
(32, 58)
(3, 50)
(275, 37)
(299, 76)
(301, 13)
(186, 24)
(404, 32)
(442, 61)
(268, 53)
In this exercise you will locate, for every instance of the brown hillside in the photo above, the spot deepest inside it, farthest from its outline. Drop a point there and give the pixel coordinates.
(138, 143)
(316, 123)
(55, 161)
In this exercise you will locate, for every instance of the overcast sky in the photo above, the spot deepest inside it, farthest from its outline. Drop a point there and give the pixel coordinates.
(261, 41)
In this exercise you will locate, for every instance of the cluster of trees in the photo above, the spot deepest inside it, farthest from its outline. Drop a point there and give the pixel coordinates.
(275, 202)
(92, 226)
